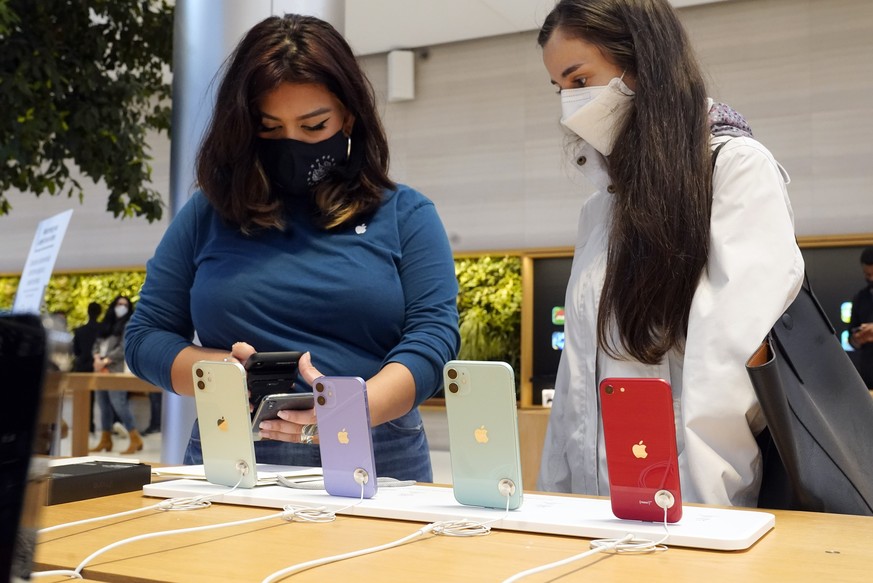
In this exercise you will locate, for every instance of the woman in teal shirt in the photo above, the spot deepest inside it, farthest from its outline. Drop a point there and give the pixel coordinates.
(298, 240)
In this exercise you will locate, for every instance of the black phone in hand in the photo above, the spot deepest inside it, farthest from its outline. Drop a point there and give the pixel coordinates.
(269, 373)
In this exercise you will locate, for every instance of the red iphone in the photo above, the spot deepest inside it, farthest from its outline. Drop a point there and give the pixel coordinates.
(641, 456)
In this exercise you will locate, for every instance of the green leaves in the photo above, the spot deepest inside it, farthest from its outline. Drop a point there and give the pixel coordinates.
(71, 293)
(489, 303)
(83, 83)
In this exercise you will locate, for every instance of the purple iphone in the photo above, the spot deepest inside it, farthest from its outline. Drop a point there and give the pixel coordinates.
(344, 439)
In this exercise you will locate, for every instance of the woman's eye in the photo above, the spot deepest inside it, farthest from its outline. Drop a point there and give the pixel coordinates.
(262, 129)
(580, 82)
(315, 128)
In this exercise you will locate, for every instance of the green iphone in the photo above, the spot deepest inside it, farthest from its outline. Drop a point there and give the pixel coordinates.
(483, 433)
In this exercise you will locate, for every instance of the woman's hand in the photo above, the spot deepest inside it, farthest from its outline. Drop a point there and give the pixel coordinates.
(864, 334)
(306, 370)
(241, 351)
(100, 363)
(291, 423)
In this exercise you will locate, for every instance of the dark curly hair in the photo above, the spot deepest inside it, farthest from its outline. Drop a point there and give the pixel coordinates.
(294, 49)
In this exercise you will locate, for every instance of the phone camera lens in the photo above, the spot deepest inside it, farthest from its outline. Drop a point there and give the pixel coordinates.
(452, 374)
(608, 389)
(199, 372)
(321, 399)
(201, 385)
(319, 387)
(453, 387)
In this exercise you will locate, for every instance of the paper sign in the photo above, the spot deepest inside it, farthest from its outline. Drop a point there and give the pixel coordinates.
(40, 263)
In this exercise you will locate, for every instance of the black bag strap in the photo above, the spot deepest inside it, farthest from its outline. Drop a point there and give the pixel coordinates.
(821, 310)
(715, 153)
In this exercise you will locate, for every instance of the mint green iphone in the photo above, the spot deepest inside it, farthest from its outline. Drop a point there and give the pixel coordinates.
(220, 395)
(483, 433)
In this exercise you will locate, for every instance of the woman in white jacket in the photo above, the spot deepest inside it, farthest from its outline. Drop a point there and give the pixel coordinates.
(679, 270)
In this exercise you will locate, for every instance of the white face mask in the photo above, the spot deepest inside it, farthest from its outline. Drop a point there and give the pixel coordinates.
(595, 114)
(120, 311)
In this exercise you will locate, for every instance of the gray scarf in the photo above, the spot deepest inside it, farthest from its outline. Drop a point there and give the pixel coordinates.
(725, 121)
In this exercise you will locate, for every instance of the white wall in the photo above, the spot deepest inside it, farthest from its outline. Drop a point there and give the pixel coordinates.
(802, 72)
(482, 137)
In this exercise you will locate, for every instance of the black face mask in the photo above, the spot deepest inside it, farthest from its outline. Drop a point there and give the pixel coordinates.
(295, 167)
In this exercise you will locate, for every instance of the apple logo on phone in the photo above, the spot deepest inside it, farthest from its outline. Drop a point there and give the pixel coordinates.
(481, 434)
(639, 450)
(222, 423)
(342, 436)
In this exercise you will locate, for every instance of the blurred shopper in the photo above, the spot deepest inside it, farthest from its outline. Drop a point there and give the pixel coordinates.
(155, 411)
(83, 340)
(109, 357)
(83, 348)
(861, 323)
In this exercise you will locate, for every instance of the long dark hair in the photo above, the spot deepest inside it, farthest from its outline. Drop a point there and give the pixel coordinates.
(660, 170)
(112, 325)
(296, 49)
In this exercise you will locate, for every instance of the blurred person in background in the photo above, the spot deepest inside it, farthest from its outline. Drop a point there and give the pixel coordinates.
(109, 358)
(83, 348)
(861, 322)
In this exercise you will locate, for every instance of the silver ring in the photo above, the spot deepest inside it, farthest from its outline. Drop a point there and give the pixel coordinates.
(308, 433)
(225, 360)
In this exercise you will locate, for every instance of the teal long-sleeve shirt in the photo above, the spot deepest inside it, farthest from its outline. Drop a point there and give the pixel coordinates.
(383, 290)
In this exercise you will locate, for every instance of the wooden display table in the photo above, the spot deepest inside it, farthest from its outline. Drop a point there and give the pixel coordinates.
(802, 547)
(80, 385)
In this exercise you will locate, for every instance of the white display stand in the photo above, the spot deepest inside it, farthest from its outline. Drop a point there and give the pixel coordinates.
(701, 527)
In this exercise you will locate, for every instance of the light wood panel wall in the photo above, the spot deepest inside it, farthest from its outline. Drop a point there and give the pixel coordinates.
(482, 137)
(801, 71)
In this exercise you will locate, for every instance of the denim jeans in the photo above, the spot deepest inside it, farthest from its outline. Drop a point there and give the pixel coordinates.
(114, 403)
(155, 410)
(400, 447)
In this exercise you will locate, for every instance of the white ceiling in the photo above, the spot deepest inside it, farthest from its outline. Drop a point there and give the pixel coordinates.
(378, 26)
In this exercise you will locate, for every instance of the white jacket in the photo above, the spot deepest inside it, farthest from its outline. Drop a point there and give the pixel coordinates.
(753, 273)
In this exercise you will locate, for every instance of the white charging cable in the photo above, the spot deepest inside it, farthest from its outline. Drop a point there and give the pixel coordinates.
(185, 503)
(626, 544)
(466, 527)
(288, 513)
(321, 514)
(461, 527)
(318, 562)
